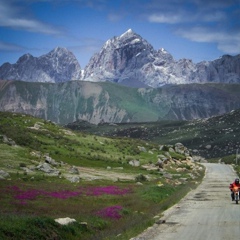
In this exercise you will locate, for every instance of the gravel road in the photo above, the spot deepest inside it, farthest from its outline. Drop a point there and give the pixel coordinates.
(206, 213)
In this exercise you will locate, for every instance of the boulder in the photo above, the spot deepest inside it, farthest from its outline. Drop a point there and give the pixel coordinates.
(73, 179)
(167, 154)
(163, 158)
(74, 170)
(4, 175)
(134, 163)
(65, 221)
(50, 160)
(181, 149)
(171, 149)
(45, 167)
(7, 140)
(159, 163)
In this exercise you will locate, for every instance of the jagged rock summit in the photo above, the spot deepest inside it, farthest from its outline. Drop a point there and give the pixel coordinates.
(59, 65)
(127, 59)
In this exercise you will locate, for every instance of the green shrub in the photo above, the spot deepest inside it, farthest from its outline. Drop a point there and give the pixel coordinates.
(22, 165)
(140, 178)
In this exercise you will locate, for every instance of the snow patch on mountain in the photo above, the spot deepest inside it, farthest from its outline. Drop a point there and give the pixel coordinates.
(127, 59)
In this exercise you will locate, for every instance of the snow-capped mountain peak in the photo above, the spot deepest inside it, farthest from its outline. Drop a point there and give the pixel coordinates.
(128, 59)
(128, 33)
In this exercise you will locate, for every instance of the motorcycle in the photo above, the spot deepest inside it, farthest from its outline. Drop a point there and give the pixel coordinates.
(236, 194)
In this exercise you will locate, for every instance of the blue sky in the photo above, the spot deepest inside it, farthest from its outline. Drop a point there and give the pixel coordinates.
(194, 29)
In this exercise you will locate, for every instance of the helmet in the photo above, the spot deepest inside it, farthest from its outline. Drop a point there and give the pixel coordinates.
(237, 180)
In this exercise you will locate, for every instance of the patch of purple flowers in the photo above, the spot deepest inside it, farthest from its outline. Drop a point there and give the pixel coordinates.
(22, 196)
(32, 194)
(113, 212)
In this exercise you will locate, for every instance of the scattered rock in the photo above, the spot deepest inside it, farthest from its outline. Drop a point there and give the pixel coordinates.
(74, 170)
(50, 160)
(68, 132)
(171, 149)
(168, 175)
(180, 148)
(65, 221)
(73, 179)
(45, 167)
(159, 163)
(134, 163)
(4, 175)
(142, 149)
(36, 154)
(150, 167)
(7, 140)
(208, 147)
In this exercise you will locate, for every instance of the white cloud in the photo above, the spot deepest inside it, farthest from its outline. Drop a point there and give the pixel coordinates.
(10, 17)
(10, 47)
(184, 16)
(166, 18)
(227, 42)
(215, 21)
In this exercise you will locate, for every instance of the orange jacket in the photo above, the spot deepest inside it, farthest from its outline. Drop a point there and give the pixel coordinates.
(234, 185)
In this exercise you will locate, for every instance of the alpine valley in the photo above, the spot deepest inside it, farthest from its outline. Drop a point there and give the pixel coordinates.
(127, 81)
(119, 160)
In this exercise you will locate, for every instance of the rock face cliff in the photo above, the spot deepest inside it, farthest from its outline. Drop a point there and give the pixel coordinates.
(107, 102)
(128, 60)
(59, 65)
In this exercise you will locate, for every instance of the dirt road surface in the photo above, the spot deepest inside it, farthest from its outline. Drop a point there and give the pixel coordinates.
(206, 213)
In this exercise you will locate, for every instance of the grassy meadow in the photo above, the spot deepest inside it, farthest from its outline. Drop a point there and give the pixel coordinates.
(103, 207)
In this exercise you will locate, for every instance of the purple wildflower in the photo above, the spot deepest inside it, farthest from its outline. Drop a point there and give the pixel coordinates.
(32, 194)
(110, 212)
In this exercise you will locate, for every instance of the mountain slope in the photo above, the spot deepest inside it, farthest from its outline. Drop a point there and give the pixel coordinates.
(210, 137)
(59, 65)
(107, 102)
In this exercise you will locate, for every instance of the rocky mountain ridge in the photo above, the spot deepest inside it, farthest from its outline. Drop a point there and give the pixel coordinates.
(59, 65)
(129, 57)
(107, 102)
(129, 60)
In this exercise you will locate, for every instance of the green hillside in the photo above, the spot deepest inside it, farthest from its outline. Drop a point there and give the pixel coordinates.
(49, 172)
(215, 137)
(96, 102)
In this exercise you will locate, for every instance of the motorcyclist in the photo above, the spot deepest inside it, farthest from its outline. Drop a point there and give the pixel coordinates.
(234, 185)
